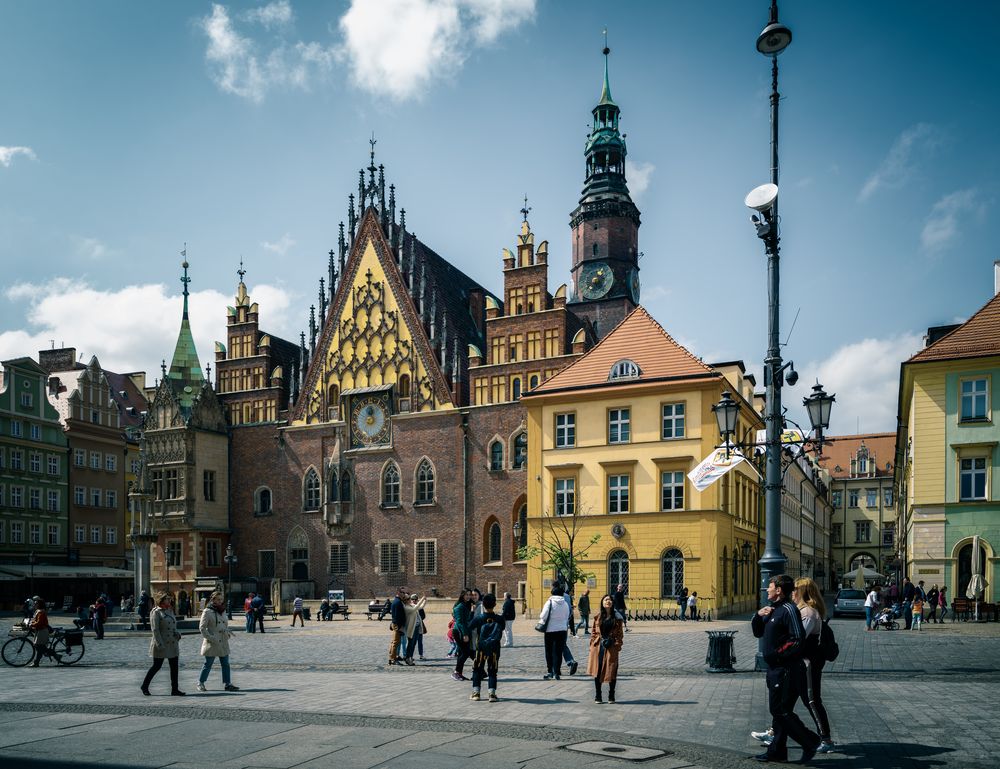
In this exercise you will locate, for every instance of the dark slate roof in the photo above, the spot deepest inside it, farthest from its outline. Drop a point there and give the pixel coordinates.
(130, 400)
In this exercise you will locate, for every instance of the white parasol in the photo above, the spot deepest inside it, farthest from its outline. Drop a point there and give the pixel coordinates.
(976, 584)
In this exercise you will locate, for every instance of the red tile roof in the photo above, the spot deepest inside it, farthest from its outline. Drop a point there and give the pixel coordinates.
(841, 449)
(638, 338)
(977, 337)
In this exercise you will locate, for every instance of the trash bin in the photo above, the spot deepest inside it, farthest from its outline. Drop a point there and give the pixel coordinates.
(305, 613)
(720, 657)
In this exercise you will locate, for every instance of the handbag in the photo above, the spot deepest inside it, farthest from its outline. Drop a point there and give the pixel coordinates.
(541, 627)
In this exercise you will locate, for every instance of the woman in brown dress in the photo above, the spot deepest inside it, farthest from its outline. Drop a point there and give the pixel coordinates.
(606, 637)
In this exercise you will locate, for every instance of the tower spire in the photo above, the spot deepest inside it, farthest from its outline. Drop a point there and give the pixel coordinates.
(185, 280)
(185, 369)
(606, 91)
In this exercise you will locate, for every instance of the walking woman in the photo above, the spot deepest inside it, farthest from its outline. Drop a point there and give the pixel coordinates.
(215, 641)
(39, 625)
(555, 618)
(943, 603)
(164, 644)
(932, 603)
(461, 614)
(809, 599)
(605, 642)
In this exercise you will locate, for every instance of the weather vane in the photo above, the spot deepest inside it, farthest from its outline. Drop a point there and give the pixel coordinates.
(606, 49)
(526, 210)
(241, 272)
(373, 141)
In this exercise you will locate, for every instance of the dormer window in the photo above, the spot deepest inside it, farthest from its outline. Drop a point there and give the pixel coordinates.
(624, 369)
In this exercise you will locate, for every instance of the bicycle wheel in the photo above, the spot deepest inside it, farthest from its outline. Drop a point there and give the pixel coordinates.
(67, 655)
(18, 652)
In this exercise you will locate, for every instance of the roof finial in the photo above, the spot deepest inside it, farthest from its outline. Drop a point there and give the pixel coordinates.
(606, 91)
(526, 210)
(185, 279)
(241, 272)
(373, 141)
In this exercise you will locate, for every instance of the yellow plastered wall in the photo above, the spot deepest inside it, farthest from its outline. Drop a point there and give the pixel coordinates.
(928, 432)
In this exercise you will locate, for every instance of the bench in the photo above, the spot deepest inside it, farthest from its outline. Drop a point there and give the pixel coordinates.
(376, 610)
(341, 611)
(270, 611)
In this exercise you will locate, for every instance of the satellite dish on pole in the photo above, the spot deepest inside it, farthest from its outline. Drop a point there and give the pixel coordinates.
(762, 198)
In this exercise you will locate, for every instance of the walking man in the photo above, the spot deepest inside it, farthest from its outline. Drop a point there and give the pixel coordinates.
(618, 603)
(780, 625)
(398, 624)
(908, 594)
(508, 614)
(583, 604)
(258, 612)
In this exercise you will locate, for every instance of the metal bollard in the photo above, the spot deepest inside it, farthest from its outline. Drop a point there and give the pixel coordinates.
(720, 657)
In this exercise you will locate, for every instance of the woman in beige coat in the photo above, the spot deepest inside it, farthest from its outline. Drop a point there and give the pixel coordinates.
(164, 643)
(215, 641)
(605, 643)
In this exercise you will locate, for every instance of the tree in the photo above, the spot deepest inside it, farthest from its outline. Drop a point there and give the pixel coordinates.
(561, 551)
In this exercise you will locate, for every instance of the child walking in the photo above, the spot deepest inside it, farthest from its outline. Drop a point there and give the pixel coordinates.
(918, 613)
(490, 626)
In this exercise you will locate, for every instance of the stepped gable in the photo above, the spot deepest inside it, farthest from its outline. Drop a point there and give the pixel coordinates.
(979, 336)
(638, 338)
(839, 450)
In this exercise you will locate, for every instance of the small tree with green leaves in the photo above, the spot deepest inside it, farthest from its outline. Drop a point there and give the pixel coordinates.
(560, 550)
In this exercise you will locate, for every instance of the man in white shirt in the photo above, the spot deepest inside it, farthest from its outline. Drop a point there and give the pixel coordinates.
(872, 602)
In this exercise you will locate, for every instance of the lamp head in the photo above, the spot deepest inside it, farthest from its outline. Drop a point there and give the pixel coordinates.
(818, 405)
(774, 39)
(726, 411)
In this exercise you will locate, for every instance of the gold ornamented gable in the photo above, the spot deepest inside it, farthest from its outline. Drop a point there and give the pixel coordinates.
(372, 337)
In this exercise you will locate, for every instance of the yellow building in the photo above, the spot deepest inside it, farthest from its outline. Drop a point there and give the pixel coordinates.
(612, 439)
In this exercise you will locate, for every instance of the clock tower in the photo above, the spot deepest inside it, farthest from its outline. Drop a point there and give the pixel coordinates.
(605, 226)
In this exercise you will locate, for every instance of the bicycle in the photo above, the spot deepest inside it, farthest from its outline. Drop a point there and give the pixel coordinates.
(64, 646)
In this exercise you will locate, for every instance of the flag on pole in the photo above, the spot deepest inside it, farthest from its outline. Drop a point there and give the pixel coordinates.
(714, 466)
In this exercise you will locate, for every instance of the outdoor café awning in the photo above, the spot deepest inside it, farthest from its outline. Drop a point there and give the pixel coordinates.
(48, 571)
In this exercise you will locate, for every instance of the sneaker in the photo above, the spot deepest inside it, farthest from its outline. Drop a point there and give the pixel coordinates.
(572, 667)
(456, 676)
(409, 662)
(548, 677)
(232, 688)
(826, 747)
(201, 687)
(763, 736)
(474, 695)
(423, 659)
(598, 700)
(493, 697)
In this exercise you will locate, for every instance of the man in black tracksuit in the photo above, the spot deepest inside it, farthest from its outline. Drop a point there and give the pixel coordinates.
(781, 628)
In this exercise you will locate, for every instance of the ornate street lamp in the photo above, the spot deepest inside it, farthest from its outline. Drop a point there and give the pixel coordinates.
(818, 405)
(230, 559)
(726, 411)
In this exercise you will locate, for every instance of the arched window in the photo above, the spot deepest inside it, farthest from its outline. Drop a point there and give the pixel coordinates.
(333, 403)
(310, 491)
(515, 389)
(262, 501)
(345, 487)
(298, 554)
(624, 369)
(520, 451)
(403, 392)
(672, 563)
(390, 485)
(332, 486)
(496, 456)
(425, 483)
(533, 381)
(522, 518)
(618, 571)
(725, 573)
(965, 568)
(495, 540)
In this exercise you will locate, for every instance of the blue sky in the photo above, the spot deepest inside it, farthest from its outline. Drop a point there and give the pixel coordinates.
(129, 129)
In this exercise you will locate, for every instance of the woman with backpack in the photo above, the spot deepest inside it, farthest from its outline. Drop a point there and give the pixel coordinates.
(606, 638)
(809, 599)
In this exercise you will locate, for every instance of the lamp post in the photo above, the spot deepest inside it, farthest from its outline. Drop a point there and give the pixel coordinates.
(230, 559)
(32, 560)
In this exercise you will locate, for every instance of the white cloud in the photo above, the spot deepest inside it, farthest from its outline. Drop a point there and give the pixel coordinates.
(865, 378)
(136, 326)
(395, 48)
(244, 67)
(91, 248)
(281, 246)
(271, 15)
(639, 176)
(897, 168)
(942, 226)
(7, 154)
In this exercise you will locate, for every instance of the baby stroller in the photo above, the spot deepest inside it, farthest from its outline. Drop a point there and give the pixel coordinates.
(886, 620)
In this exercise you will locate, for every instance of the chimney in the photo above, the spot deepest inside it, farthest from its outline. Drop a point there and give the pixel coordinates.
(58, 359)
(996, 277)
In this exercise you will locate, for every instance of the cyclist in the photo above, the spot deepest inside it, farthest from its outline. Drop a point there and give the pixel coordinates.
(39, 625)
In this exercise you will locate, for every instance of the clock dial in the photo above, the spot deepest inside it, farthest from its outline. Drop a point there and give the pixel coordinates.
(633, 284)
(370, 423)
(596, 280)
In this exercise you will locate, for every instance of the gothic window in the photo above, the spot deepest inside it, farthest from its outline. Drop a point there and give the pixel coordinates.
(390, 485)
(310, 491)
(345, 487)
(262, 501)
(298, 554)
(520, 458)
(494, 553)
(332, 486)
(672, 563)
(425, 483)
(496, 456)
(333, 404)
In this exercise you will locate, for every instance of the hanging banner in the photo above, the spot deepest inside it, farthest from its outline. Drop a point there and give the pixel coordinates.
(791, 439)
(713, 467)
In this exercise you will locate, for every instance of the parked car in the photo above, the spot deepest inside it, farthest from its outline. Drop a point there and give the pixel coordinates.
(849, 601)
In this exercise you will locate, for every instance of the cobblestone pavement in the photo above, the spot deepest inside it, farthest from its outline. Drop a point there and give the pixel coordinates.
(896, 699)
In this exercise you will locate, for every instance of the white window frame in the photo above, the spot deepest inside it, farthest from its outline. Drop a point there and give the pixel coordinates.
(15, 428)
(53, 534)
(34, 533)
(564, 496)
(27, 402)
(79, 458)
(35, 462)
(52, 501)
(619, 487)
(620, 425)
(110, 535)
(17, 496)
(95, 497)
(565, 430)
(110, 498)
(968, 467)
(35, 432)
(79, 495)
(95, 460)
(674, 415)
(34, 499)
(53, 464)
(862, 532)
(79, 534)
(976, 396)
(16, 533)
(672, 486)
(95, 535)
(111, 463)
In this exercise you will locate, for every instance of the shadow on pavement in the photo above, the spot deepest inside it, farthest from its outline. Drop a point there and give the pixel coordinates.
(546, 701)
(894, 755)
(657, 702)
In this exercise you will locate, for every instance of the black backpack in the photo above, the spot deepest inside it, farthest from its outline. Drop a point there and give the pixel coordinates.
(828, 648)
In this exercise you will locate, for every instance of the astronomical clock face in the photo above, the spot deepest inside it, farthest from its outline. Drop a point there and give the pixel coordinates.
(596, 280)
(370, 422)
(633, 284)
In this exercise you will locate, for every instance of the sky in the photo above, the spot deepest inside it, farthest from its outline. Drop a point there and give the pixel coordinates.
(130, 131)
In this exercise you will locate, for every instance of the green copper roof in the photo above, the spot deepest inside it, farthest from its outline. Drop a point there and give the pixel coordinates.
(185, 368)
(606, 90)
